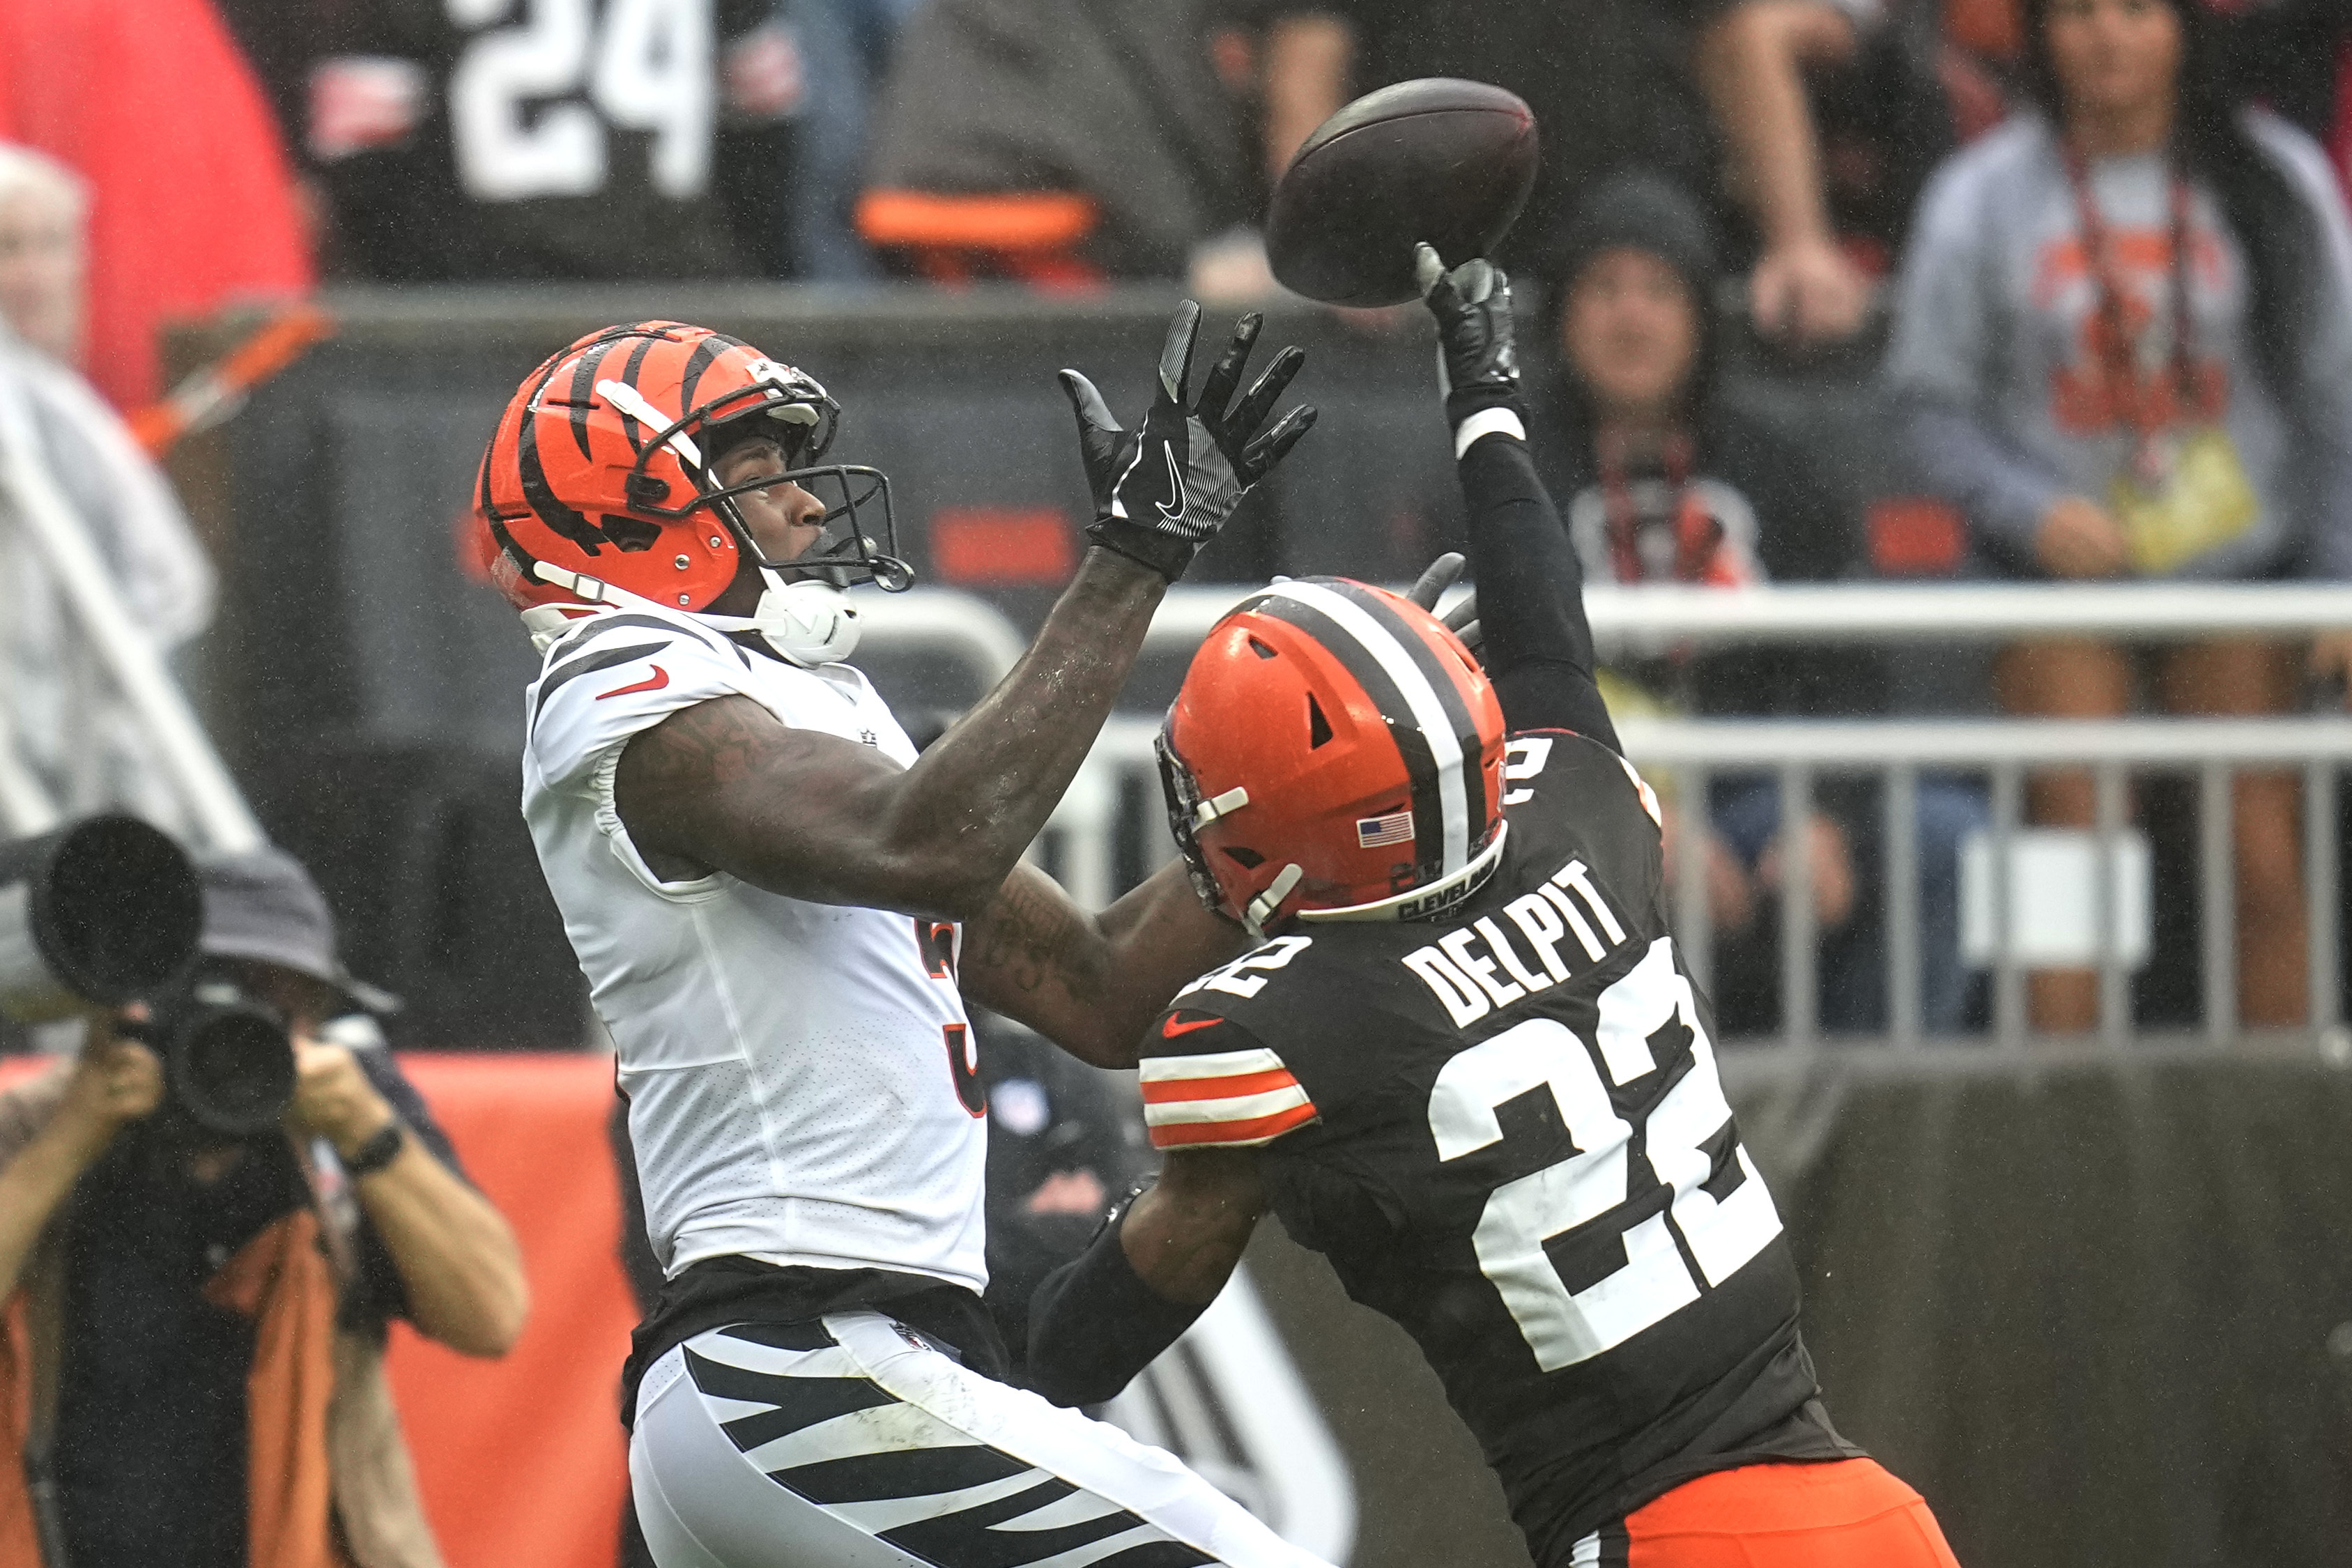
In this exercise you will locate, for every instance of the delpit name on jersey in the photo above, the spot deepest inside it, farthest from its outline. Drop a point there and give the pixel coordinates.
(1464, 981)
(1467, 981)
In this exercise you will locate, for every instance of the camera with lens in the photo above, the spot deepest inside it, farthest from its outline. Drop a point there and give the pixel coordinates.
(228, 1057)
(106, 911)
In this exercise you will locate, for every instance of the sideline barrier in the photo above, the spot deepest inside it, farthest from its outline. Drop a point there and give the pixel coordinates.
(522, 1460)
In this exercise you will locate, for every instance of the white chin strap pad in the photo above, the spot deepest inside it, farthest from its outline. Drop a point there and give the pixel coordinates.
(807, 623)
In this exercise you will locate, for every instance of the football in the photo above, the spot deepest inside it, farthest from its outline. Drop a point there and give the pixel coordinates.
(1439, 159)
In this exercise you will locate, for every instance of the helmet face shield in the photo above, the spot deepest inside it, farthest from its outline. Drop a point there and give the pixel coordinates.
(1183, 795)
(860, 539)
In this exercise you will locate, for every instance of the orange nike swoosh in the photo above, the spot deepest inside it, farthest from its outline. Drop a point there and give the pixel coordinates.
(655, 682)
(1173, 1027)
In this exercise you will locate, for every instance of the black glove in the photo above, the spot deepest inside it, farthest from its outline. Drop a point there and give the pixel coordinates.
(1477, 368)
(1163, 491)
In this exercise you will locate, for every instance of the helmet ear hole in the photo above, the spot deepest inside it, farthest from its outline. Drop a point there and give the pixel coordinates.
(631, 534)
(1319, 728)
(1247, 859)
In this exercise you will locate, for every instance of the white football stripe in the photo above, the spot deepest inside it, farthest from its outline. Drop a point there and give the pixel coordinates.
(1223, 1064)
(1236, 1108)
(875, 1430)
(1061, 1513)
(1428, 712)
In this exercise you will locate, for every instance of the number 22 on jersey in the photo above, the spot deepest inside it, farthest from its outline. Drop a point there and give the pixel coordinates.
(1682, 1218)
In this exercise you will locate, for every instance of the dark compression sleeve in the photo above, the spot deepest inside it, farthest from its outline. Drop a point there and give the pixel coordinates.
(1094, 1323)
(1539, 646)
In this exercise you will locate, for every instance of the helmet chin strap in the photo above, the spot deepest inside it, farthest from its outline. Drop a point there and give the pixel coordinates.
(807, 623)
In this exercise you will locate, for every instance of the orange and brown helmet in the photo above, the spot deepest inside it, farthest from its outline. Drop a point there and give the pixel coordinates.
(601, 472)
(1334, 754)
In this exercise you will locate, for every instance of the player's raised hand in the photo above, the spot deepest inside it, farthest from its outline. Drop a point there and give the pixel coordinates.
(1163, 491)
(1477, 364)
(1461, 617)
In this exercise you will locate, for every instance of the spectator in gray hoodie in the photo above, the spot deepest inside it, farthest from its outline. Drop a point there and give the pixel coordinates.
(2124, 345)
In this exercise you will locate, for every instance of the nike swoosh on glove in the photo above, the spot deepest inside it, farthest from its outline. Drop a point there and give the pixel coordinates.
(1477, 365)
(1163, 491)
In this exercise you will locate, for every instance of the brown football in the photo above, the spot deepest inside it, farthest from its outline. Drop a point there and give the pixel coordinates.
(1439, 159)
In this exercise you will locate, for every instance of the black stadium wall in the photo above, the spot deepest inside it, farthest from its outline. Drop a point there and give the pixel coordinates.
(2097, 1308)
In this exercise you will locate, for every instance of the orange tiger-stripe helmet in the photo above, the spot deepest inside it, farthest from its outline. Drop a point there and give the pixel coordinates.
(1334, 754)
(599, 466)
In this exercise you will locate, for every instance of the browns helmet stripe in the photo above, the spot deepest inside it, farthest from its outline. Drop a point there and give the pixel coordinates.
(1417, 698)
(1443, 681)
(1319, 619)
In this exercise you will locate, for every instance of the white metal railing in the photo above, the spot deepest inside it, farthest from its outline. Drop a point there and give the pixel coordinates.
(1114, 802)
(945, 622)
(215, 808)
(1684, 755)
(1877, 612)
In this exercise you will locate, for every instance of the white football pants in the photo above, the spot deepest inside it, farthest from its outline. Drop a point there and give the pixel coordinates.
(854, 1444)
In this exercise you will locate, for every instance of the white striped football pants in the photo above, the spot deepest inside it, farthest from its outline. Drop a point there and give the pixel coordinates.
(853, 1443)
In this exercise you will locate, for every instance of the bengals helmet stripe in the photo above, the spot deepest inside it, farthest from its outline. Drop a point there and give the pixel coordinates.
(583, 386)
(566, 520)
(635, 432)
(1402, 676)
(597, 480)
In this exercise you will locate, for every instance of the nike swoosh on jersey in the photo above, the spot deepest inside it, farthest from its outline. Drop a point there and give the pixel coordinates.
(1175, 1025)
(653, 682)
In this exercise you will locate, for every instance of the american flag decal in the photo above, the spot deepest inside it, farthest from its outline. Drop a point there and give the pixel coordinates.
(1380, 832)
(1232, 1099)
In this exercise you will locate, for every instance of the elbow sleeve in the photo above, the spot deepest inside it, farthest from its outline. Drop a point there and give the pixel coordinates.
(1094, 1323)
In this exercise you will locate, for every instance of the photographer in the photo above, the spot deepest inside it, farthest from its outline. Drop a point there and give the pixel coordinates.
(205, 1316)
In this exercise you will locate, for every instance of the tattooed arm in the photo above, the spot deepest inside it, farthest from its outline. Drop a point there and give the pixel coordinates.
(1091, 984)
(723, 784)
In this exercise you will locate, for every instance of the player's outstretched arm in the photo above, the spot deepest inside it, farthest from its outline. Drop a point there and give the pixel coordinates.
(1153, 1267)
(724, 786)
(1091, 984)
(1539, 646)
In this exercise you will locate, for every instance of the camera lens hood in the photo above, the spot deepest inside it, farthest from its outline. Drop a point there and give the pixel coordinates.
(102, 911)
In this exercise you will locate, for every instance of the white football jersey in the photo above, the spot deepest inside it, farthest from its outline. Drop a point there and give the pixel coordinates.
(801, 1078)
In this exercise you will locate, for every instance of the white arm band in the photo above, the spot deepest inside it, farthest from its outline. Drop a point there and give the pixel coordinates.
(1486, 422)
